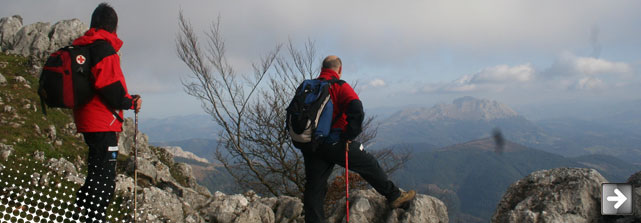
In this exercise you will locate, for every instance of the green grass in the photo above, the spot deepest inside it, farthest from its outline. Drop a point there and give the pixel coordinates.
(20, 132)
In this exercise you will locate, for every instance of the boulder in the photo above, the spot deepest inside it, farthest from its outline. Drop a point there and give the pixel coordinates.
(556, 195)
(151, 170)
(9, 26)
(3, 80)
(66, 169)
(39, 155)
(64, 32)
(5, 151)
(50, 132)
(156, 205)
(184, 172)
(256, 212)
(126, 141)
(369, 206)
(20, 80)
(40, 39)
(32, 40)
(288, 208)
(226, 208)
(124, 185)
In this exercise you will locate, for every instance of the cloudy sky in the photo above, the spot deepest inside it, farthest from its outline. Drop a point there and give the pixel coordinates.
(402, 53)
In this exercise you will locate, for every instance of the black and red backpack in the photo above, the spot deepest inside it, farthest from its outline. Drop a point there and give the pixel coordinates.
(66, 80)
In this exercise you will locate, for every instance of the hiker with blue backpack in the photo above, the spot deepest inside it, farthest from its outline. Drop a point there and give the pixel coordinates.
(323, 119)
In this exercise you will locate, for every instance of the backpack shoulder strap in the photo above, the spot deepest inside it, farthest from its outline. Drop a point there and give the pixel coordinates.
(335, 81)
(99, 50)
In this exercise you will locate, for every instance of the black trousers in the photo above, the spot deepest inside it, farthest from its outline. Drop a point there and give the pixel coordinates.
(319, 165)
(98, 189)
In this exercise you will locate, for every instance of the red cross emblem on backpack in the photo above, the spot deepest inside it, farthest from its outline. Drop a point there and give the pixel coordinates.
(80, 59)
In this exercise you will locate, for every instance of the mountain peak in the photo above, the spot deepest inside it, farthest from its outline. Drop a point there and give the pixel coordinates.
(464, 108)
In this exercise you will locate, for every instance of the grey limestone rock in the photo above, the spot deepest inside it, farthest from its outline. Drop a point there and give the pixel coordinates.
(32, 40)
(556, 195)
(3, 80)
(64, 32)
(369, 206)
(40, 39)
(9, 26)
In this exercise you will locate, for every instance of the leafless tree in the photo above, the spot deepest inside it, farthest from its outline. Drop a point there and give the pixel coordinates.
(254, 146)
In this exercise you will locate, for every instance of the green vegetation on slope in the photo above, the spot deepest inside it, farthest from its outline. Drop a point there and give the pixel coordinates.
(29, 186)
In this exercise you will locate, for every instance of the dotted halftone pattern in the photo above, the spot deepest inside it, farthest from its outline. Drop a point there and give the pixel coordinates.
(24, 200)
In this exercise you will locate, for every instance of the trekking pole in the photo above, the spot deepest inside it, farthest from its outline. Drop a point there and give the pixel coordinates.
(347, 180)
(135, 163)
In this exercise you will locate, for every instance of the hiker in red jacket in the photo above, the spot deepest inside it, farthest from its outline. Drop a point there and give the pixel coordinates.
(348, 118)
(100, 120)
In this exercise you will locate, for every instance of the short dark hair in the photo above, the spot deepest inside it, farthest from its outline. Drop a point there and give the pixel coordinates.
(104, 17)
(331, 63)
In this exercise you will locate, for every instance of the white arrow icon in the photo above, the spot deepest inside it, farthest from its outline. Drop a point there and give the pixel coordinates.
(620, 198)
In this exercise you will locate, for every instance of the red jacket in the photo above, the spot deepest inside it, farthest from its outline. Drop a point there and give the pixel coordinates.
(110, 87)
(346, 104)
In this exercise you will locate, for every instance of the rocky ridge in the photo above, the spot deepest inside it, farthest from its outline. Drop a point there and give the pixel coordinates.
(39, 39)
(179, 152)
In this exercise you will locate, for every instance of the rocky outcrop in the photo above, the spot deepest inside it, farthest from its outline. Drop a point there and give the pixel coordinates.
(369, 206)
(66, 169)
(64, 32)
(556, 195)
(168, 192)
(9, 26)
(126, 140)
(37, 40)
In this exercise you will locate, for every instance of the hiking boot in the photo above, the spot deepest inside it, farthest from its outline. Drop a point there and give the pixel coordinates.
(403, 199)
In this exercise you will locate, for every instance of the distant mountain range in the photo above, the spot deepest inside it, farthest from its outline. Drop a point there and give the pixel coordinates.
(612, 131)
(176, 128)
(471, 177)
(465, 119)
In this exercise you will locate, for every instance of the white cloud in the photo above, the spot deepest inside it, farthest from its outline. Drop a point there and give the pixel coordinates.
(495, 78)
(569, 72)
(377, 83)
(504, 73)
(589, 83)
(568, 64)
(591, 66)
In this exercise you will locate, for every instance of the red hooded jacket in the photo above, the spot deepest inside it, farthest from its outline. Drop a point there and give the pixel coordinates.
(348, 109)
(111, 89)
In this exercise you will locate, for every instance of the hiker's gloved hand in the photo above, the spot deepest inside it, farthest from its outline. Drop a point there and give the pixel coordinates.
(347, 144)
(137, 102)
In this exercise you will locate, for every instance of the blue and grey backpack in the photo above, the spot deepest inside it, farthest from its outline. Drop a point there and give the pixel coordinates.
(309, 115)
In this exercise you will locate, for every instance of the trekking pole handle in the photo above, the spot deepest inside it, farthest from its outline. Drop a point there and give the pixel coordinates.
(136, 98)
